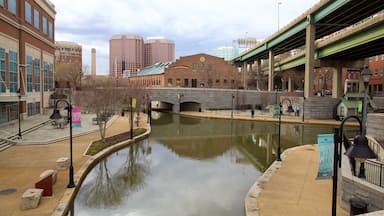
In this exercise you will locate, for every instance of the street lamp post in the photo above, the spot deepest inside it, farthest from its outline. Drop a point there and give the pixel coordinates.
(233, 97)
(18, 112)
(366, 75)
(278, 15)
(289, 110)
(56, 115)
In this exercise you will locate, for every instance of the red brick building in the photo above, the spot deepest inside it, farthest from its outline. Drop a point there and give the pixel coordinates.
(26, 57)
(376, 65)
(195, 71)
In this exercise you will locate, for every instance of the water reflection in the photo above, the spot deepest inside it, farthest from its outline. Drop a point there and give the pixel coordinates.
(188, 166)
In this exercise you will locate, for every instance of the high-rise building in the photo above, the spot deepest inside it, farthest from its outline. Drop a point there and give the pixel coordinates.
(27, 49)
(126, 55)
(68, 53)
(158, 50)
(227, 52)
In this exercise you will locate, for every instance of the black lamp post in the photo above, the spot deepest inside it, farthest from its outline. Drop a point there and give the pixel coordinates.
(18, 112)
(56, 115)
(233, 97)
(289, 110)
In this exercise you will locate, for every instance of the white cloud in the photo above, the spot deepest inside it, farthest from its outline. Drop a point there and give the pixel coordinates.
(194, 25)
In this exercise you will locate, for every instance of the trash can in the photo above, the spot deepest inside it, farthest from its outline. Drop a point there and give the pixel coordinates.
(358, 206)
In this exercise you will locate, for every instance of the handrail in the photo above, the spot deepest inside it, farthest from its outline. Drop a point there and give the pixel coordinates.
(376, 148)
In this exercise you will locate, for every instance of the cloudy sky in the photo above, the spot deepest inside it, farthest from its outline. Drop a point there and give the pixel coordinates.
(196, 26)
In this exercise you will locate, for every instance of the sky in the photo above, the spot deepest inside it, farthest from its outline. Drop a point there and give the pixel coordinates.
(196, 26)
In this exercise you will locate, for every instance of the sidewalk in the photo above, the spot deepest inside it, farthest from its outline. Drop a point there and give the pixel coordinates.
(21, 165)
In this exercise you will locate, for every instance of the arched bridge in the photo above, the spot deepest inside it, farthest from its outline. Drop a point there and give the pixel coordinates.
(194, 99)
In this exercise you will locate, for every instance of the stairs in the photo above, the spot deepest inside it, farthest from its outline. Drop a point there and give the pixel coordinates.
(14, 139)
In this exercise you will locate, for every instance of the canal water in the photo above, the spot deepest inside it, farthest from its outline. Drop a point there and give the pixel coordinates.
(188, 166)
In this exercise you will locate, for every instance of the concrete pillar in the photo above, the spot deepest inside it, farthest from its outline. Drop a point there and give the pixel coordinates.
(336, 82)
(245, 75)
(93, 63)
(271, 71)
(309, 60)
(289, 84)
(258, 74)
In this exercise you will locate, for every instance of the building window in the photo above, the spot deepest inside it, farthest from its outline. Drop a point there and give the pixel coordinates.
(12, 6)
(194, 66)
(28, 12)
(29, 74)
(186, 84)
(46, 78)
(36, 18)
(169, 82)
(2, 3)
(36, 72)
(377, 58)
(50, 30)
(194, 83)
(217, 83)
(178, 82)
(33, 108)
(45, 29)
(50, 74)
(2, 70)
(13, 70)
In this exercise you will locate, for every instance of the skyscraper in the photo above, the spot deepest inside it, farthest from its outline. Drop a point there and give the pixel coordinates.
(126, 55)
(158, 50)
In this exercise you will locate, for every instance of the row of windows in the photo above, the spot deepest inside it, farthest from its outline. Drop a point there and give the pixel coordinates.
(32, 79)
(377, 58)
(13, 76)
(201, 67)
(66, 49)
(47, 25)
(201, 83)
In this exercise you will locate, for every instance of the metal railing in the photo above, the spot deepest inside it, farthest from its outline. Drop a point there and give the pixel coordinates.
(376, 148)
(374, 172)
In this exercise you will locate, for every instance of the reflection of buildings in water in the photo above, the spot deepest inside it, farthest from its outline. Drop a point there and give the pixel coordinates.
(198, 147)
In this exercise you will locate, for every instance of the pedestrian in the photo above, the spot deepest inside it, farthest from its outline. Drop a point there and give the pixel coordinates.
(252, 112)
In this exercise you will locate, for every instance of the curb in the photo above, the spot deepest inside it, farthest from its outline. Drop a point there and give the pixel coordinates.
(250, 202)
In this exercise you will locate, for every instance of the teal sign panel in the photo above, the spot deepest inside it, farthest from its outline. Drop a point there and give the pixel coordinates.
(325, 143)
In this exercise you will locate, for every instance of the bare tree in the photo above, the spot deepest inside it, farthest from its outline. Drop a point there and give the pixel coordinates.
(68, 75)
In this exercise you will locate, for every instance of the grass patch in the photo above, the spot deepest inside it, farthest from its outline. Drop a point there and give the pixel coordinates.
(99, 145)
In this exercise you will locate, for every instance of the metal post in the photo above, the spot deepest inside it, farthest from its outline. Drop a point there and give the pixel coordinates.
(18, 111)
(278, 158)
(71, 180)
(131, 119)
(364, 117)
(303, 109)
(334, 178)
(233, 96)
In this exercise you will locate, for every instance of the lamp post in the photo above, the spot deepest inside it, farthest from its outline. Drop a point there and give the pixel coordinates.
(56, 115)
(179, 96)
(233, 97)
(289, 110)
(18, 112)
(366, 75)
(278, 15)
(131, 117)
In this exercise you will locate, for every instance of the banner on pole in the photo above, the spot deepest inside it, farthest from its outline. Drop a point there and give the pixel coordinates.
(326, 144)
(76, 117)
(134, 103)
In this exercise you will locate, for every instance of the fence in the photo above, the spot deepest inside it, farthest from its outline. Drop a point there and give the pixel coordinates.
(374, 172)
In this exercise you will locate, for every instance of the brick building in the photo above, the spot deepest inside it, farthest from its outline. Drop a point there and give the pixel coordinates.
(194, 71)
(376, 65)
(26, 57)
(68, 53)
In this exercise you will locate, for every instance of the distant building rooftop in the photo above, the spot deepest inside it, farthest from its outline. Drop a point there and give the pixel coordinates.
(155, 69)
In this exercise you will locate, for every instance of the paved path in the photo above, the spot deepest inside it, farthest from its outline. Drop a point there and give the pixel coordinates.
(21, 165)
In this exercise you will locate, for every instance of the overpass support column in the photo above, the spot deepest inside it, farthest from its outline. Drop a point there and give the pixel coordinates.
(289, 84)
(245, 73)
(336, 82)
(271, 70)
(258, 75)
(309, 59)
